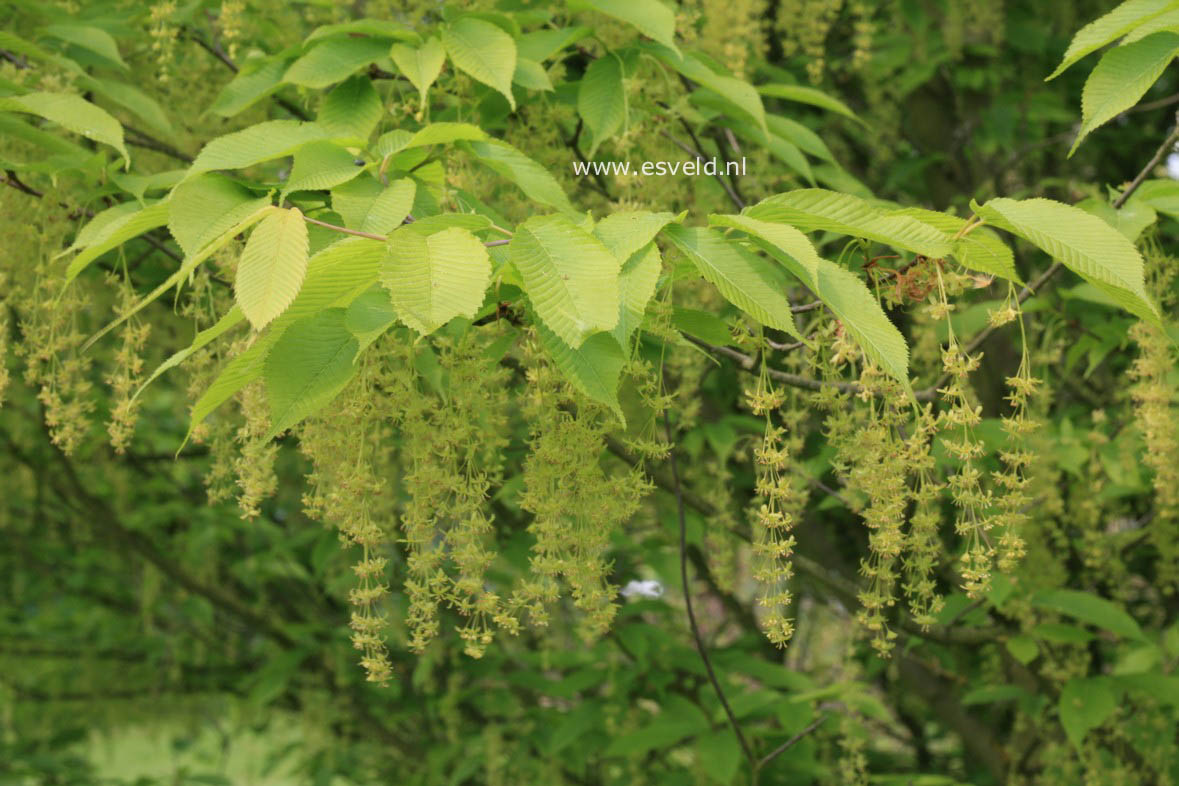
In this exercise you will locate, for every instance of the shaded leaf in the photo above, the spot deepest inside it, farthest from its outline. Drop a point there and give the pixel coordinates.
(307, 367)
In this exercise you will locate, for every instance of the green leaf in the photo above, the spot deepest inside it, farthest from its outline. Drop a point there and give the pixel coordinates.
(307, 367)
(781, 241)
(808, 95)
(376, 28)
(202, 208)
(1122, 76)
(370, 315)
(737, 92)
(259, 78)
(650, 17)
(202, 339)
(72, 113)
(980, 250)
(262, 142)
(443, 134)
(1061, 633)
(1115, 24)
(594, 368)
(352, 109)
(750, 283)
(184, 271)
(484, 52)
(719, 755)
(1085, 704)
(800, 136)
(570, 278)
(703, 325)
(368, 206)
(272, 266)
(1168, 20)
(335, 60)
(92, 39)
(115, 232)
(1089, 608)
(133, 100)
(626, 232)
(531, 75)
(636, 287)
(1023, 648)
(1084, 243)
(601, 99)
(850, 299)
(320, 165)
(534, 180)
(811, 209)
(434, 278)
(420, 65)
(540, 45)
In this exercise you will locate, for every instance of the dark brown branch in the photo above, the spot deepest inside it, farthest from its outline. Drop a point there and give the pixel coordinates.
(148, 142)
(700, 647)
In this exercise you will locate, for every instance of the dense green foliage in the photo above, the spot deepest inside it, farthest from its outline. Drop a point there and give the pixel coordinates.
(349, 436)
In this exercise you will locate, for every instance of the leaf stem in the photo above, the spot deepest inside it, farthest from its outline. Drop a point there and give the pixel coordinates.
(383, 238)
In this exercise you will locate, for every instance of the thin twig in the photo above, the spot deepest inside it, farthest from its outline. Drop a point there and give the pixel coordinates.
(679, 502)
(790, 743)
(149, 142)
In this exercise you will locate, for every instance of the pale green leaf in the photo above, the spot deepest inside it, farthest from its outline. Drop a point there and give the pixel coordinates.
(570, 278)
(800, 136)
(183, 272)
(133, 100)
(232, 318)
(351, 109)
(650, 17)
(255, 144)
(736, 92)
(258, 79)
(594, 368)
(434, 278)
(118, 231)
(1112, 25)
(272, 266)
(782, 242)
(636, 287)
(92, 39)
(980, 250)
(320, 165)
(336, 276)
(1121, 77)
(857, 308)
(202, 208)
(335, 60)
(752, 284)
(540, 45)
(808, 95)
(444, 134)
(531, 75)
(1085, 704)
(420, 65)
(601, 99)
(73, 113)
(375, 28)
(93, 229)
(812, 209)
(626, 232)
(307, 367)
(1168, 20)
(534, 180)
(1082, 242)
(484, 52)
(368, 206)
